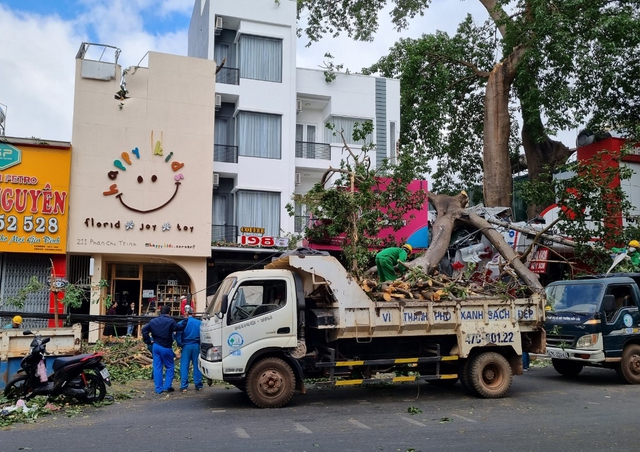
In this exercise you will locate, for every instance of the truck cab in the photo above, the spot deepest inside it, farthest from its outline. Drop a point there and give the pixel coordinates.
(594, 322)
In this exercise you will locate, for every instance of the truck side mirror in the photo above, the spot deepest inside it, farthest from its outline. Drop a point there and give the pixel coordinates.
(26, 332)
(608, 303)
(225, 304)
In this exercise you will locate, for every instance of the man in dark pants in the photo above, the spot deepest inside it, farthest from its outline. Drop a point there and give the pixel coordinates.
(161, 330)
(189, 340)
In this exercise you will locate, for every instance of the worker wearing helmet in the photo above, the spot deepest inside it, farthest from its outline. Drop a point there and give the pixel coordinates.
(633, 251)
(388, 258)
(16, 322)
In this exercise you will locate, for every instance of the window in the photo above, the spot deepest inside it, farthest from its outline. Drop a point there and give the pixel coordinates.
(393, 152)
(259, 135)
(256, 298)
(259, 209)
(347, 125)
(261, 58)
(306, 141)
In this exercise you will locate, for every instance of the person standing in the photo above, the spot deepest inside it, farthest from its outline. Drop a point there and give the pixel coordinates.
(159, 333)
(388, 258)
(189, 341)
(109, 328)
(131, 312)
(16, 322)
(184, 302)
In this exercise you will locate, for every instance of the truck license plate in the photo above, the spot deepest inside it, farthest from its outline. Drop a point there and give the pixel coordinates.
(560, 354)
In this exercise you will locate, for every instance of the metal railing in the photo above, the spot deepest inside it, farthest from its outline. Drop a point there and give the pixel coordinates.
(229, 76)
(225, 153)
(224, 233)
(308, 150)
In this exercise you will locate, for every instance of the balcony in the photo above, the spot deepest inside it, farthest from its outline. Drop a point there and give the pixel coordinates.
(225, 153)
(317, 151)
(228, 76)
(224, 233)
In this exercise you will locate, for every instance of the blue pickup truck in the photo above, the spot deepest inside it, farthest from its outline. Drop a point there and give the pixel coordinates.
(595, 322)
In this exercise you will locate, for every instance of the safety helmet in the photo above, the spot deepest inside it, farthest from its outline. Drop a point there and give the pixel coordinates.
(17, 320)
(408, 247)
(188, 309)
(634, 243)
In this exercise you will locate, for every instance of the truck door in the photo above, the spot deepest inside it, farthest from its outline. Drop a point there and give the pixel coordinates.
(261, 314)
(620, 323)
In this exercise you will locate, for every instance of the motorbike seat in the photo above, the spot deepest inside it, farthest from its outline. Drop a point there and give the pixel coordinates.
(67, 360)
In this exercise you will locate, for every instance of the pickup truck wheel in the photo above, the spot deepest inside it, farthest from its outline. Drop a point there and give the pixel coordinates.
(490, 375)
(567, 368)
(630, 365)
(270, 383)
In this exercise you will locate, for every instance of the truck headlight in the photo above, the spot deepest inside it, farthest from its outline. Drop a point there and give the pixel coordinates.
(587, 341)
(214, 354)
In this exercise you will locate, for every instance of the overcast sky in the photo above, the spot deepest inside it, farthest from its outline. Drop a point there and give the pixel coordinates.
(40, 39)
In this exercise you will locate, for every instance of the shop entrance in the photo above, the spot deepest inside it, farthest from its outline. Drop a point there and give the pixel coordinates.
(147, 286)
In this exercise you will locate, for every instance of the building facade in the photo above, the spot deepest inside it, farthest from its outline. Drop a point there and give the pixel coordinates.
(141, 177)
(271, 141)
(34, 209)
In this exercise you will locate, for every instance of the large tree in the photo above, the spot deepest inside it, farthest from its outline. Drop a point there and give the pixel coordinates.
(561, 64)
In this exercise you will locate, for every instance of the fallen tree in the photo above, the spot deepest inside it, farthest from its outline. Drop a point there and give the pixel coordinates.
(452, 210)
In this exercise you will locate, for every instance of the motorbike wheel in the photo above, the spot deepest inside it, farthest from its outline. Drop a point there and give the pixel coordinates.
(17, 388)
(95, 390)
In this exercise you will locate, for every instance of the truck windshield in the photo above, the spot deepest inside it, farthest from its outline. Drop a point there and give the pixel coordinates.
(224, 289)
(578, 298)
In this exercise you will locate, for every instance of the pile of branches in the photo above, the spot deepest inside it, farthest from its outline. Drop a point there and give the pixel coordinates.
(418, 286)
(126, 358)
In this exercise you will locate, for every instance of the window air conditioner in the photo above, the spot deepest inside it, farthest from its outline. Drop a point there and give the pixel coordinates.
(218, 101)
(298, 179)
(216, 180)
(298, 106)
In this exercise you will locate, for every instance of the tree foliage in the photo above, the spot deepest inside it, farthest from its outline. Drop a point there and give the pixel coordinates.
(356, 201)
(576, 64)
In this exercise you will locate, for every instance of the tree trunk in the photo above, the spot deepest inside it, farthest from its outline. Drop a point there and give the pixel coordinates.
(498, 184)
(543, 155)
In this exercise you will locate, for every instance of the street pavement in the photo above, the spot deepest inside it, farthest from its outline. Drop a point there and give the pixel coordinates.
(544, 412)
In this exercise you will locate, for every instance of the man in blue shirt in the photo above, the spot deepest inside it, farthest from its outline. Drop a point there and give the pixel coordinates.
(161, 330)
(189, 340)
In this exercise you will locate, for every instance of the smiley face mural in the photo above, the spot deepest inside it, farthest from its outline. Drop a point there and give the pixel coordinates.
(127, 163)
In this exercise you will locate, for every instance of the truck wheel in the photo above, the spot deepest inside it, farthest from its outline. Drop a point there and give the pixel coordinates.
(630, 365)
(270, 383)
(490, 375)
(567, 368)
(465, 377)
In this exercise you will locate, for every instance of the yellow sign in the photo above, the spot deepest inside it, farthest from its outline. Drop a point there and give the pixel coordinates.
(251, 230)
(34, 191)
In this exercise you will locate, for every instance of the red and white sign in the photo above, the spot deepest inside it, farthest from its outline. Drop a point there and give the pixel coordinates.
(537, 265)
(266, 242)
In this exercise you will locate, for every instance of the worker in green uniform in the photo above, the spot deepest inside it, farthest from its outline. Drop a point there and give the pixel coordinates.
(388, 258)
(631, 263)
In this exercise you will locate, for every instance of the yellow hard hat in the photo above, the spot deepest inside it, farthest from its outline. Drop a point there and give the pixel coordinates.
(408, 247)
(17, 320)
(634, 243)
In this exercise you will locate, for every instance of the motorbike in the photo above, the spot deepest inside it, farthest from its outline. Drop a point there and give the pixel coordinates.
(83, 377)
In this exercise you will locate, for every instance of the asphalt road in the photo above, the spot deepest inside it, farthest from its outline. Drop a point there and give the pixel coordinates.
(544, 412)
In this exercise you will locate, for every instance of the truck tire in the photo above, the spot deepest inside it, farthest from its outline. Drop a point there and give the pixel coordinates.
(270, 383)
(465, 377)
(630, 365)
(489, 375)
(567, 368)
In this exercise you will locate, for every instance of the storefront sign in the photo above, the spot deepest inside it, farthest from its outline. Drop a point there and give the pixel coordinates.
(33, 199)
(536, 266)
(251, 230)
(267, 242)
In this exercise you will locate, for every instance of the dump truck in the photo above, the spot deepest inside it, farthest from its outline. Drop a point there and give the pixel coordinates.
(303, 316)
(595, 322)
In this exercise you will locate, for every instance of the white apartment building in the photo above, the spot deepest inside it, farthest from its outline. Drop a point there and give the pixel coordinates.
(270, 135)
